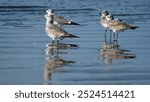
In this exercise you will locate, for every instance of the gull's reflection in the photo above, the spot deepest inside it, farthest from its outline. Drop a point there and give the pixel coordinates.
(111, 50)
(55, 49)
(53, 61)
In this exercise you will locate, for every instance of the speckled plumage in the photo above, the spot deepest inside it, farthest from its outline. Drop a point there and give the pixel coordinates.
(54, 31)
(59, 20)
(118, 26)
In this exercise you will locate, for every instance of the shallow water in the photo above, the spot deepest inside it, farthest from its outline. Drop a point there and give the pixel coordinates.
(25, 57)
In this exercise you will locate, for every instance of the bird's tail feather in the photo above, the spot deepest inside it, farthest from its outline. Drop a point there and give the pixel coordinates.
(73, 23)
(73, 36)
(70, 36)
(133, 27)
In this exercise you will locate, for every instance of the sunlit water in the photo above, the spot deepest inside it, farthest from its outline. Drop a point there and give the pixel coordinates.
(25, 56)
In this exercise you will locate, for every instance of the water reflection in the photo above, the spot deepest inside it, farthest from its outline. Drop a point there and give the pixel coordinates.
(53, 61)
(55, 49)
(110, 50)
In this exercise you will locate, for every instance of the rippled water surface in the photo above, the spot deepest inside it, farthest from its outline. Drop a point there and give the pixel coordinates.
(26, 58)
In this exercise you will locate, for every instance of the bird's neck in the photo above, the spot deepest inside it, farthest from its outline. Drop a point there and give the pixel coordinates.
(49, 20)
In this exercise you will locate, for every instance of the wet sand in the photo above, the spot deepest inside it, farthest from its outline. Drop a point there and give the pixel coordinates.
(26, 58)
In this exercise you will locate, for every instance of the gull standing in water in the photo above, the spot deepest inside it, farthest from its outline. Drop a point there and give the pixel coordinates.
(117, 26)
(103, 20)
(59, 20)
(54, 31)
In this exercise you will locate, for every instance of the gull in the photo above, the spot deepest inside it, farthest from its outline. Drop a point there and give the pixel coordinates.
(59, 20)
(55, 32)
(103, 20)
(118, 26)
